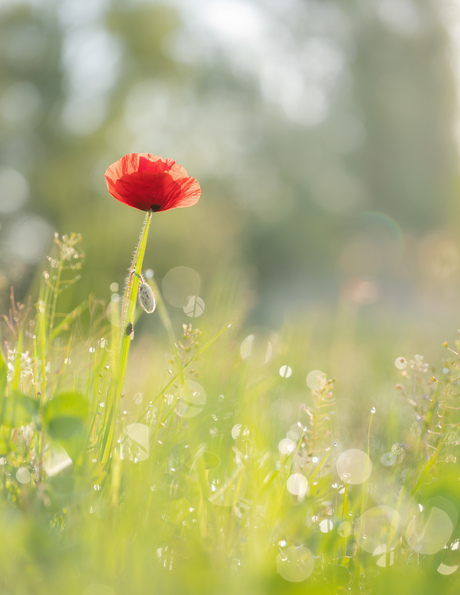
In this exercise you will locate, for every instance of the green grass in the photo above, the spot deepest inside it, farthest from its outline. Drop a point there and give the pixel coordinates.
(210, 468)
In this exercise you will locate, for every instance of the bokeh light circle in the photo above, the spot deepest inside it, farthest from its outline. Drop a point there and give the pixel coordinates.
(316, 380)
(194, 307)
(192, 399)
(429, 531)
(377, 527)
(286, 446)
(295, 564)
(354, 466)
(297, 484)
(179, 284)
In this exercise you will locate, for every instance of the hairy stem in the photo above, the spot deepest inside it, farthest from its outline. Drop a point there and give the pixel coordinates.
(120, 358)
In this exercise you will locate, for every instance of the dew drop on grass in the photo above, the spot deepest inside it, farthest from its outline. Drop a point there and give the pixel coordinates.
(295, 564)
(92, 350)
(67, 361)
(373, 409)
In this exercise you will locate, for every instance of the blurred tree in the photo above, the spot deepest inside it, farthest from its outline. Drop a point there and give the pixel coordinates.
(296, 117)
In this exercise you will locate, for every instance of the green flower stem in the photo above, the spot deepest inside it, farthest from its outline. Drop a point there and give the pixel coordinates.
(121, 357)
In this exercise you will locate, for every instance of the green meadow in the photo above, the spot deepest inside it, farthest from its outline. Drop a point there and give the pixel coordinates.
(262, 396)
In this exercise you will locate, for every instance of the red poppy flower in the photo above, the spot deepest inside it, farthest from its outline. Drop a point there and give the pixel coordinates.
(148, 182)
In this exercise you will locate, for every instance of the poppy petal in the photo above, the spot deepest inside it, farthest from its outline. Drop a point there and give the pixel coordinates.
(145, 181)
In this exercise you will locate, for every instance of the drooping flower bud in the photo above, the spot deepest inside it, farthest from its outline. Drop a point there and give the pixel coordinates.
(146, 298)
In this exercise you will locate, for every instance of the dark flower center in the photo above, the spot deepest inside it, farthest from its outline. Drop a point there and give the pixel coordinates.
(155, 208)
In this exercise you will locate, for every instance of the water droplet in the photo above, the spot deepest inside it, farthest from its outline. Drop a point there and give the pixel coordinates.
(373, 410)
(92, 349)
(67, 361)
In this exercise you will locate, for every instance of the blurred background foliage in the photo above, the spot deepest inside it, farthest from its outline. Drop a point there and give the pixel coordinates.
(322, 133)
